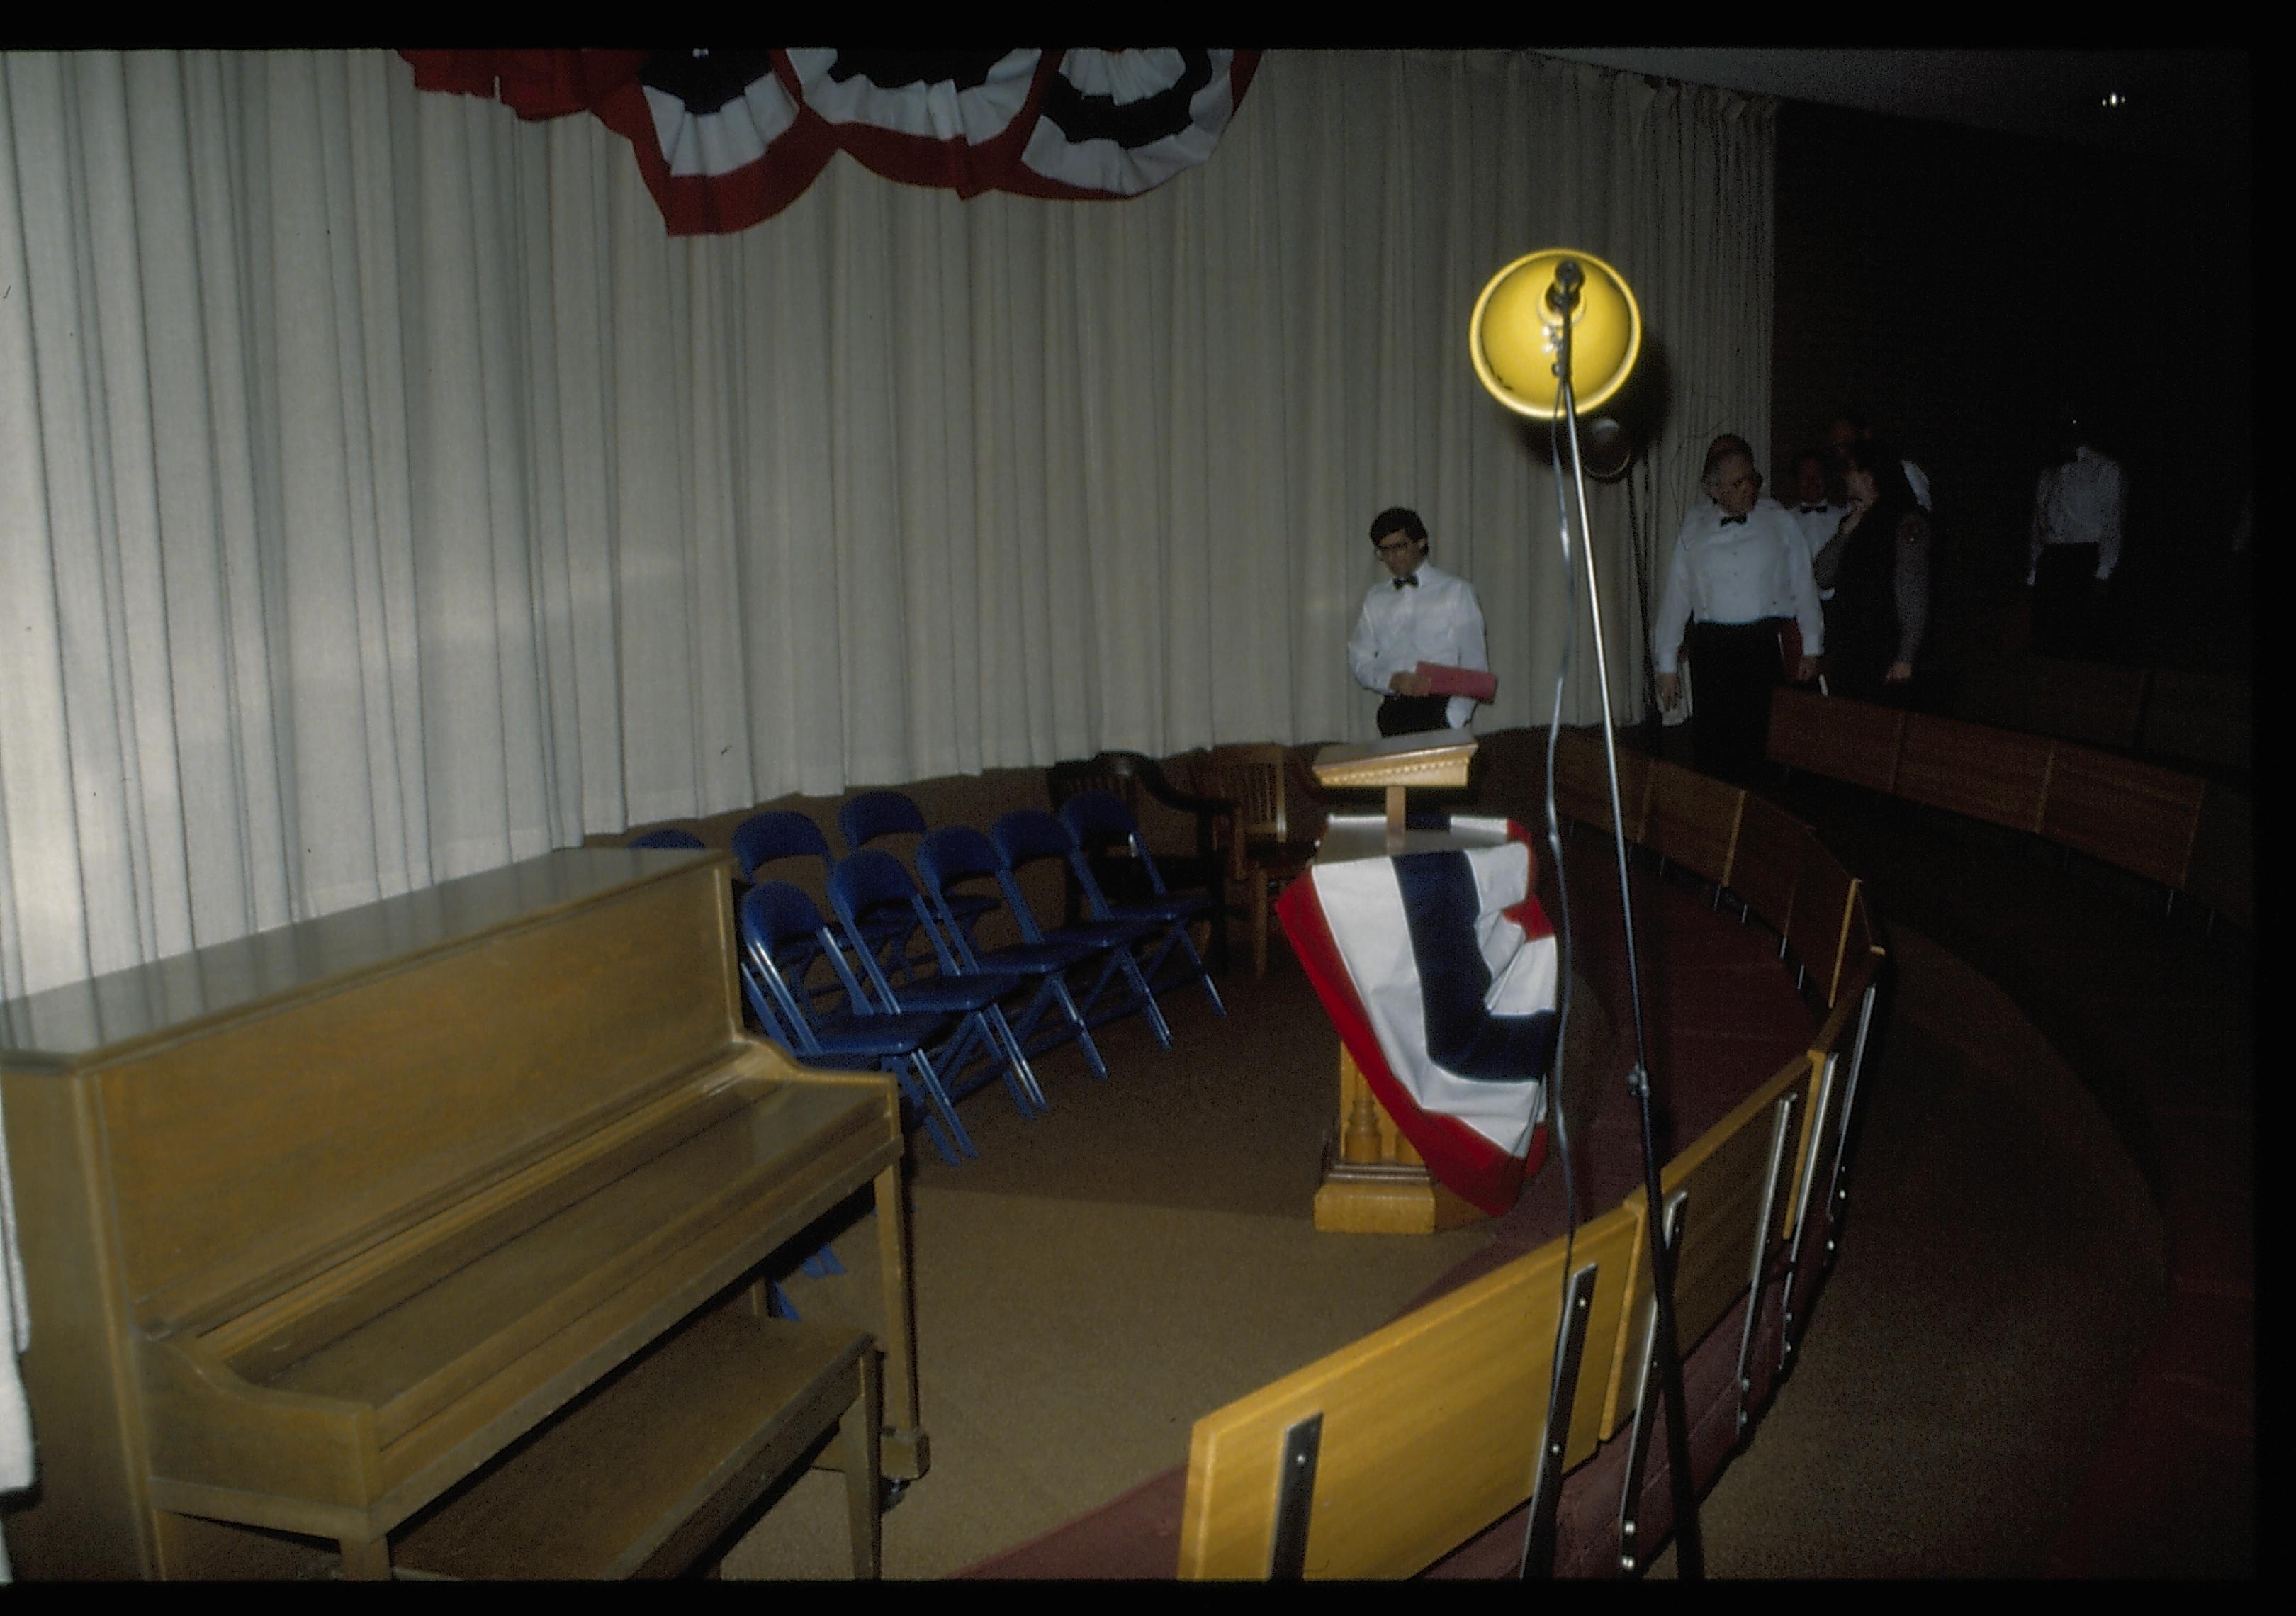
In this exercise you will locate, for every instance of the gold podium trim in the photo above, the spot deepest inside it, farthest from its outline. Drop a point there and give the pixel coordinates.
(1395, 762)
(1374, 1182)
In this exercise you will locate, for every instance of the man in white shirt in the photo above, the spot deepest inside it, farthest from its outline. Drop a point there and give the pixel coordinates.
(1417, 613)
(1739, 575)
(2076, 544)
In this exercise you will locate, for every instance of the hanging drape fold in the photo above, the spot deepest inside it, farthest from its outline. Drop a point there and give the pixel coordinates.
(384, 496)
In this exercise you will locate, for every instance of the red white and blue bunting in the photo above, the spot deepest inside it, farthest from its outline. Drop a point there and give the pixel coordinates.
(1439, 971)
(728, 138)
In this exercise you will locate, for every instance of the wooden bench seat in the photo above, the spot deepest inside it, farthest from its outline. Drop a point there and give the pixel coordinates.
(647, 1474)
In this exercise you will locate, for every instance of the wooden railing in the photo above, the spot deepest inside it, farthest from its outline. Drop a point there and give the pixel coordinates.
(2186, 833)
(2164, 712)
(1381, 1458)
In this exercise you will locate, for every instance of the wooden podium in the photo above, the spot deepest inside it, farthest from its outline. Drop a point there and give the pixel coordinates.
(1374, 1182)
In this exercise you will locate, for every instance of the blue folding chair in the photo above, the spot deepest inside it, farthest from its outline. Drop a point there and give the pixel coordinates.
(763, 840)
(874, 816)
(1028, 836)
(872, 882)
(957, 853)
(775, 915)
(664, 839)
(1094, 818)
(779, 834)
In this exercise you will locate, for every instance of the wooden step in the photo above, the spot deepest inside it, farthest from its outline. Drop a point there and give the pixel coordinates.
(645, 1473)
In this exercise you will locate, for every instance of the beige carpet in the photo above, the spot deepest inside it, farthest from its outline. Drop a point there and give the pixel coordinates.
(1066, 1348)
(1999, 1277)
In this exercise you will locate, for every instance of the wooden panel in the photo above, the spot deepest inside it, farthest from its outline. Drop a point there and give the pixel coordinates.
(1823, 895)
(2209, 717)
(688, 1438)
(2130, 814)
(1841, 740)
(283, 1134)
(1722, 1175)
(1694, 819)
(1582, 782)
(1636, 770)
(229, 1197)
(106, 1018)
(369, 1424)
(2097, 702)
(1442, 758)
(2222, 872)
(1766, 864)
(1834, 1037)
(1858, 936)
(1430, 1425)
(1988, 773)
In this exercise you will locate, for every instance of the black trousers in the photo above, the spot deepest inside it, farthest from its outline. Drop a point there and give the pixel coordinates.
(1411, 715)
(2064, 592)
(1733, 668)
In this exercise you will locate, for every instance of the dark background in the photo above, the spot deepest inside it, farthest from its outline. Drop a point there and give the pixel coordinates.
(1959, 286)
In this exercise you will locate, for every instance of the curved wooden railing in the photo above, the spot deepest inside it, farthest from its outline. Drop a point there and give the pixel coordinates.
(1379, 1459)
(2185, 833)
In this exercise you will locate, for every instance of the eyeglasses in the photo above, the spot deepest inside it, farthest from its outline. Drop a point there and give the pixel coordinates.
(1396, 546)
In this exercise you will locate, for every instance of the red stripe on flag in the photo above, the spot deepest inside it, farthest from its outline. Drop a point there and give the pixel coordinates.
(1470, 1166)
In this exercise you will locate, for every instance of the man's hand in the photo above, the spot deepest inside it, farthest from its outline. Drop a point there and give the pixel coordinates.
(1409, 683)
(1670, 689)
(1805, 670)
(1899, 672)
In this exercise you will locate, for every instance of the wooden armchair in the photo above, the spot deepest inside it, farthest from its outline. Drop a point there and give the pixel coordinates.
(1137, 781)
(1278, 825)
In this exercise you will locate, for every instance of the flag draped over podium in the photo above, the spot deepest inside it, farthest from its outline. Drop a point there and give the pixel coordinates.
(1440, 970)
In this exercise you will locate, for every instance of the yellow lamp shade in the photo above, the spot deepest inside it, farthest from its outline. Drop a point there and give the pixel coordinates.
(1513, 333)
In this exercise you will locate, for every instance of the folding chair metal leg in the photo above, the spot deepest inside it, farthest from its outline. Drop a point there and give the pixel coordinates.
(1157, 1024)
(942, 1103)
(1837, 1194)
(904, 1072)
(1632, 1555)
(1562, 1392)
(1202, 975)
(1081, 1027)
(1774, 1182)
(1154, 969)
(1018, 1056)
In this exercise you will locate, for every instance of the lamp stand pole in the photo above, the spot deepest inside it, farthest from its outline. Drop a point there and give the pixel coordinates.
(1691, 1551)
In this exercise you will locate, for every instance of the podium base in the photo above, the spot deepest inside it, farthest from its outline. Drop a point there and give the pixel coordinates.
(1388, 1198)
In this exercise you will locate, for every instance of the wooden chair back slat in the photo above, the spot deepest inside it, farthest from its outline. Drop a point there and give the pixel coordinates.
(1693, 819)
(1993, 775)
(1766, 862)
(2132, 815)
(1431, 1427)
(1852, 741)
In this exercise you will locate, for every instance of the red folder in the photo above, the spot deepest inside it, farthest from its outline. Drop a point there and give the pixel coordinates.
(1445, 680)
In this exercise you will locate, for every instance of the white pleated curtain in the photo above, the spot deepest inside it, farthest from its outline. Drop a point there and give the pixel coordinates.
(384, 496)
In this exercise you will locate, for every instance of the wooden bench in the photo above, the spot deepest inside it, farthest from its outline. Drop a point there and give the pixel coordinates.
(666, 1458)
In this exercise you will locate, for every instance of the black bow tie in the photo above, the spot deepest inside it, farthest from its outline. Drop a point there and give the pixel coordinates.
(1812, 510)
(1727, 521)
(1408, 583)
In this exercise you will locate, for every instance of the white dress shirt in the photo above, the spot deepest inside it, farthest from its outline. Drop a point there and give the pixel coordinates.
(1736, 572)
(1918, 481)
(1435, 619)
(1816, 524)
(2078, 502)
